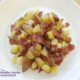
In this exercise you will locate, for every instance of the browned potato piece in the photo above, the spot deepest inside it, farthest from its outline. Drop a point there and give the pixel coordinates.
(51, 17)
(14, 60)
(40, 62)
(36, 53)
(28, 29)
(68, 39)
(63, 44)
(54, 69)
(15, 49)
(54, 42)
(19, 60)
(17, 24)
(29, 15)
(45, 18)
(36, 29)
(13, 33)
(29, 55)
(37, 17)
(38, 47)
(59, 45)
(46, 68)
(50, 35)
(22, 35)
(22, 21)
(34, 65)
(44, 52)
(59, 25)
(66, 31)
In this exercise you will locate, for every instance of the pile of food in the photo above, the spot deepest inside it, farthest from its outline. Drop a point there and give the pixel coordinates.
(40, 41)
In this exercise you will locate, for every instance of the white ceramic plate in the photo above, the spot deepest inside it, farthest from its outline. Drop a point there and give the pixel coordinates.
(69, 69)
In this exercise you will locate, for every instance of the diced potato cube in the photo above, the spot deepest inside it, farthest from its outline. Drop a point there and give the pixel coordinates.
(37, 11)
(54, 42)
(17, 24)
(50, 34)
(15, 49)
(44, 52)
(57, 28)
(34, 65)
(21, 35)
(38, 47)
(29, 54)
(29, 30)
(29, 16)
(51, 17)
(66, 31)
(13, 33)
(22, 21)
(57, 54)
(63, 36)
(63, 44)
(20, 48)
(30, 22)
(40, 62)
(53, 27)
(19, 60)
(60, 23)
(64, 25)
(59, 45)
(36, 53)
(14, 60)
(37, 17)
(54, 69)
(53, 60)
(36, 28)
(45, 18)
(46, 68)
(68, 39)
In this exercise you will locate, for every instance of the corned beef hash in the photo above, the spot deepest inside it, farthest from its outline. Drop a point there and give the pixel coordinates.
(40, 41)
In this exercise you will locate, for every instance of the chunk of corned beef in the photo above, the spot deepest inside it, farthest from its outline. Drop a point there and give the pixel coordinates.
(33, 38)
(50, 24)
(48, 60)
(58, 59)
(26, 64)
(40, 70)
(40, 13)
(43, 24)
(63, 51)
(46, 43)
(23, 40)
(34, 23)
(12, 27)
(13, 40)
(23, 52)
(40, 39)
(67, 24)
(56, 18)
(56, 33)
(71, 47)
